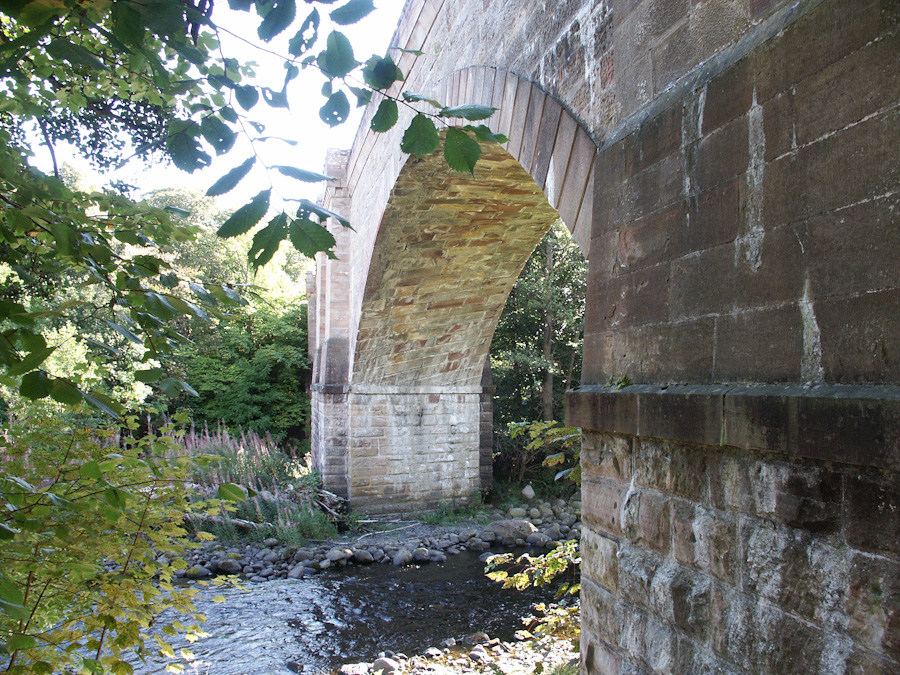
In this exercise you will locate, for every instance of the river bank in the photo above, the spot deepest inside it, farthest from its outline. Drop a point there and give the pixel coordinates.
(535, 523)
(405, 597)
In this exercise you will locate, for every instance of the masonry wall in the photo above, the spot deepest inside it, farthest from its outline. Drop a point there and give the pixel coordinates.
(413, 449)
(742, 498)
(723, 560)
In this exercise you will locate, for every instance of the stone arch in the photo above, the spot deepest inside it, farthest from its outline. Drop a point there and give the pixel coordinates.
(453, 245)
(448, 249)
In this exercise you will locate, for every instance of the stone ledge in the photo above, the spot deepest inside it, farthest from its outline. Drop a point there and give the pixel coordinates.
(405, 390)
(329, 388)
(849, 424)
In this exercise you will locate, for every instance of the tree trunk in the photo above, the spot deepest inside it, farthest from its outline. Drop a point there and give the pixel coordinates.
(547, 349)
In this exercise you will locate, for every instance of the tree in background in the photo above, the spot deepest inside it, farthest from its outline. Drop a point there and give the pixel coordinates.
(536, 350)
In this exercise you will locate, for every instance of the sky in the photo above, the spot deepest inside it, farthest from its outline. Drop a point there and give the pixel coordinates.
(300, 123)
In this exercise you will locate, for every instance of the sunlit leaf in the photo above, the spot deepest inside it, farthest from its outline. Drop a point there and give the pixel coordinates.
(386, 116)
(352, 12)
(420, 137)
(461, 151)
(302, 174)
(231, 492)
(381, 73)
(337, 59)
(307, 36)
(310, 238)
(267, 240)
(246, 217)
(278, 18)
(469, 111)
(336, 109)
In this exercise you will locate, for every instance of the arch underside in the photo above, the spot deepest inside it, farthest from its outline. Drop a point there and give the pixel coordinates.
(448, 252)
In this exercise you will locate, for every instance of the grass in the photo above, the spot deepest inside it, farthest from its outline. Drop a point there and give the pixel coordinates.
(284, 484)
(448, 514)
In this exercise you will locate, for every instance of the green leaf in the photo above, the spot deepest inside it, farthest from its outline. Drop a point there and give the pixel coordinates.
(307, 36)
(381, 73)
(30, 362)
(184, 148)
(14, 610)
(232, 493)
(335, 110)
(91, 470)
(246, 217)
(63, 391)
(35, 385)
(385, 117)
(308, 208)
(337, 59)
(461, 150)
(301, 174)
(420, 137)
(363, 96)
(7, 533)
(230, 180)
(310, 238)
(149, 375)
(218, 134)
(279, 17)
(246, 95)
(485, 135)
(415, 98)
(93, 399)
(18, 641)
(124, 332)
(352, 12)
(275, 99)
(77, 55)
(267, 240)
(469, 111)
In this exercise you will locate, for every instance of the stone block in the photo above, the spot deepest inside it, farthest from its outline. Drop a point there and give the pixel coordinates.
(764, 345)
(600, 612)
(637, 568)
(679, 413)
(600, 559)
(656, 139)
(651, 239)
(859, 340)
(607, 456)
(683, 538)
(872, 513)
(723, 154)
(871, 600)
(728, 95)
(682, 598)
(602, 502)
(648, 521)
(825, 35)
(717, 548)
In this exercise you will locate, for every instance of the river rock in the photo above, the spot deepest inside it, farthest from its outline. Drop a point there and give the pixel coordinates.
(229, 566)
(478, 653)
(272, 557)
(355, 669)
(433, 653)
(198, 572)
(363, 557)
(337, 554)
(553, 532)
(437, 557)
(517, 512)
(421, 554)
(402, 557)
(528, 492)
(538, 539)
(385, 665)
(515, 528)
(476, 544)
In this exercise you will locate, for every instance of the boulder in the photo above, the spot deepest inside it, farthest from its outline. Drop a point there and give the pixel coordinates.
(363, 557)
(385, 665)
(528, 492)
(230, 566)
(402, 557)
(515, 528)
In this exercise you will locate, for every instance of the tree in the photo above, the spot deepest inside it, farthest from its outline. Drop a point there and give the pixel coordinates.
(89, 72)
(536, 350)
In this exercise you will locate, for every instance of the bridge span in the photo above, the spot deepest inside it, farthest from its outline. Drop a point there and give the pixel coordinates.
(730, 169)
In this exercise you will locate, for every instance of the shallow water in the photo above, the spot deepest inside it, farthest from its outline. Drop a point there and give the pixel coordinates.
(349, 615)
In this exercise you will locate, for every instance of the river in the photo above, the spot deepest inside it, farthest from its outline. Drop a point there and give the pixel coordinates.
(318, 623)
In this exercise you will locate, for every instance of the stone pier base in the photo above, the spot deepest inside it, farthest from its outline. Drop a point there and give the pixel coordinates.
(729, 530)
(399, 451)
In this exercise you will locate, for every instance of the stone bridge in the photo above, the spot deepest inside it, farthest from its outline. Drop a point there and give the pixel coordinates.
(731, 169)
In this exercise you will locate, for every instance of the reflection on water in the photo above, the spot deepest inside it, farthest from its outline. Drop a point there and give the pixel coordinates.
(322, 622)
